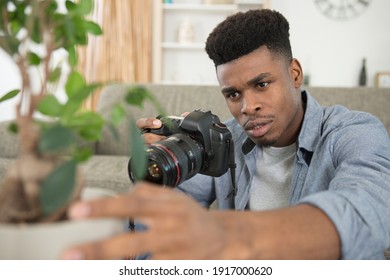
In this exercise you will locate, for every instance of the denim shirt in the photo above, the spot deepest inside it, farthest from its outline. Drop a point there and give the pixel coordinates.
(342, 166)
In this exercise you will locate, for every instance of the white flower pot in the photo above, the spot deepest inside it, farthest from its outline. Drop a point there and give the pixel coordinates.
(46, 241)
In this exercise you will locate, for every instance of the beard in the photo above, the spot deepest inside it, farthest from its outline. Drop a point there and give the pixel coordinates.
(266, 140)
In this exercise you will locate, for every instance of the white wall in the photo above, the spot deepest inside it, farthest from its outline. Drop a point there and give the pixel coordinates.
(332, 51)
(9, 80)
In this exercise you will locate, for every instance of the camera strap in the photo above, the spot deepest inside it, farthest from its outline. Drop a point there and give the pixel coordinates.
(232, 166)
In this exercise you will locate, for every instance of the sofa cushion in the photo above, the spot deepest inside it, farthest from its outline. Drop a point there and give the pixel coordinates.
(174, 100)
(371, 100)
(9, 141)
(4, 164)
(107, 172)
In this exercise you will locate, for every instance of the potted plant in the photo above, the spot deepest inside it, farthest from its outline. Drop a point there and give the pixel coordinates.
(45, 178)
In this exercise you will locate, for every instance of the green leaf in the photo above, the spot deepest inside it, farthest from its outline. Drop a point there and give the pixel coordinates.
(136, 96)
(69, 30)
(59, 32)
(9, 44)
(74, 84)
(92, 131)
(117, 114)
(50, 106)
(36, 32)
(9, 95)
(34, 59)
(85, 91)
(114, 131)
(13, 127)
(72, 56)
(138, 156)
(55, 75)
(69, 109)
(88, 124)
(20, 12)
(80, 32)
(85, 7)
(70, 6)
(15, 27)
(92, 27)
(82, 154)
(57, 189)
(55, 138)
(52, 7)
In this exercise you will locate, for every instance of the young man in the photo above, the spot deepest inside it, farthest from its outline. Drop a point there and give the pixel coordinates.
(316, 179)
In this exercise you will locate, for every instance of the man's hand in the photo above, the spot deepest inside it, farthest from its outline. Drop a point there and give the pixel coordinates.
(178, 228)
(151, 123)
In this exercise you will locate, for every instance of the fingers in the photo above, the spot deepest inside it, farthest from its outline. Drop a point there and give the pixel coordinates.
(127, 245)
(146, 199)
(144, 123)
(150, 138)
(173, 222)
(148, 123)
(118, 247)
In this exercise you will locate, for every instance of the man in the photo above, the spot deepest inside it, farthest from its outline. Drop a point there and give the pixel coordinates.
(316, 179)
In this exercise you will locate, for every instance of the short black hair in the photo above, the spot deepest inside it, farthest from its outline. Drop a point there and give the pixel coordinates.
(244, 32)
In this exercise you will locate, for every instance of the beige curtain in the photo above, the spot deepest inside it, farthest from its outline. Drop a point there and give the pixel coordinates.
(123, 53)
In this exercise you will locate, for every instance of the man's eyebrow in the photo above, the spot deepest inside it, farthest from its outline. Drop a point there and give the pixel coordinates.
(251, 82)
(258, 79)
(228, 90)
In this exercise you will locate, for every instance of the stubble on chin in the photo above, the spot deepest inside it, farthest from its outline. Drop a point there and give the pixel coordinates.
(264, 141)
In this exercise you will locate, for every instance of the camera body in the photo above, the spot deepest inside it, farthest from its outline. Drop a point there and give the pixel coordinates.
(207, 129)
(197, 143)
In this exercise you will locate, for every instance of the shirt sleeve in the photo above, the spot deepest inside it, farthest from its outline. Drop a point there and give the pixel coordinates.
(358, 198)
(201, 188)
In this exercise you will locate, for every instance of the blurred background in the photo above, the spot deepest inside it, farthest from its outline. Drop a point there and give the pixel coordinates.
(162, 41)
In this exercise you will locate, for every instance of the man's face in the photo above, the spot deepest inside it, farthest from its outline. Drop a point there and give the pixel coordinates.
(263, 94)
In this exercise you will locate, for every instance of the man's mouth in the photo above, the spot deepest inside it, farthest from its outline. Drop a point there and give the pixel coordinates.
(258, 129)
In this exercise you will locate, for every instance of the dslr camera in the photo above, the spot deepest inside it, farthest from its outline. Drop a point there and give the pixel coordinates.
(197, 143)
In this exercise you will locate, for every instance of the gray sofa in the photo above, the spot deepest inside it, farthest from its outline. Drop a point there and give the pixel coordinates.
(107, 169)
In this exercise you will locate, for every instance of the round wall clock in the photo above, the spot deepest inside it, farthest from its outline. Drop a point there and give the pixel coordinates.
(342, 9)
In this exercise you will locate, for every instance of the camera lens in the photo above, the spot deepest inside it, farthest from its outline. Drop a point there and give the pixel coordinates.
(154, 171)
(172, 160)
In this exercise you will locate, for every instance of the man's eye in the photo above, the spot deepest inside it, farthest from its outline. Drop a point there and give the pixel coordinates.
(262, 84)
(232, 95)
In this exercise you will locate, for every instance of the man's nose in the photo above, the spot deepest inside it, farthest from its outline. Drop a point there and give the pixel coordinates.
(250, 104)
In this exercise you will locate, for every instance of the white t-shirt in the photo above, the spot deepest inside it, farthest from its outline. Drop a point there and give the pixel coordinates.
(272, 181)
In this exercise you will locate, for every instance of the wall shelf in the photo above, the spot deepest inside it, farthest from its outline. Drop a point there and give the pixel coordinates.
(188, 63)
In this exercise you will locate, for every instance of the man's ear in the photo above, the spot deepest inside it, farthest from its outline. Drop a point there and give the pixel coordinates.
(296, 73)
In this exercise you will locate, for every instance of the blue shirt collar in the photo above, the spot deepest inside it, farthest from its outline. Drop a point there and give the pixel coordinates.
(311, 126)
